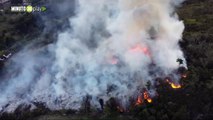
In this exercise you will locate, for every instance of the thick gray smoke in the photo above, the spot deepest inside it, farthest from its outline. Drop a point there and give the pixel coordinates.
(113, 48)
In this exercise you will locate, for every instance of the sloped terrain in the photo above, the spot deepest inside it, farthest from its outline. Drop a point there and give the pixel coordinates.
(193, 101)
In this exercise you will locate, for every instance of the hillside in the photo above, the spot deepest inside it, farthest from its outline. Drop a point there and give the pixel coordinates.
(192, 101)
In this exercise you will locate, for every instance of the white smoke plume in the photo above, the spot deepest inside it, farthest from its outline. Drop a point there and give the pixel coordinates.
(113, 48)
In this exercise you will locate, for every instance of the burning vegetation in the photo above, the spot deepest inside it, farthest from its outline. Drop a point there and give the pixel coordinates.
(145, 96)
(34, 87)
(114, 54)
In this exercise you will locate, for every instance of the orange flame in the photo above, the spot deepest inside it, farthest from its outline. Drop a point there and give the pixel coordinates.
(139, 100)
(149, 100)
(173, 85)
(141, 49)
(147, 97)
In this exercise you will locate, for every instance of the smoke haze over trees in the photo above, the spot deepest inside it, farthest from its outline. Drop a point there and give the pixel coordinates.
(193, 101)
